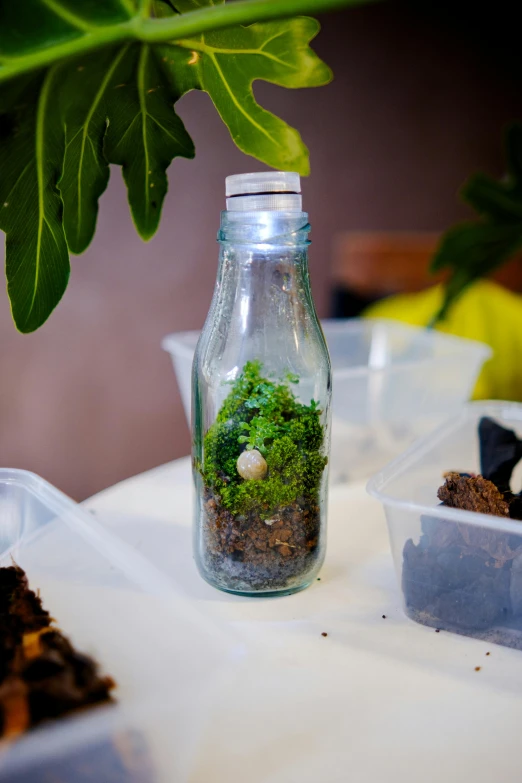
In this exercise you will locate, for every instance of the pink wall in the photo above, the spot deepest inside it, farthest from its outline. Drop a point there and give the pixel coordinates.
(91, 399)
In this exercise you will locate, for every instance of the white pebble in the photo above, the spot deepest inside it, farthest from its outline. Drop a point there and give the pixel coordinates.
(252, 465)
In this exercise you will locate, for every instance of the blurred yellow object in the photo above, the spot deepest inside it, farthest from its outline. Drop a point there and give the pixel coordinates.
(485, 312)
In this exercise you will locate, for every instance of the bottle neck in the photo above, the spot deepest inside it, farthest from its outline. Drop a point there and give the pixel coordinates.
(265, 228)
(263, 292)
(263, 255)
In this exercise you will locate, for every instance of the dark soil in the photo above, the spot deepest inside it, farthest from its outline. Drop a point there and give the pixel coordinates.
(507, 634)
(247, 553)
(461, 576)
(42, 676)
(455, 581)
(464, 578)
(473, 493)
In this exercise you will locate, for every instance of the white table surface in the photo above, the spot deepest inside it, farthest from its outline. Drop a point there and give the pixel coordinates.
(376, 700)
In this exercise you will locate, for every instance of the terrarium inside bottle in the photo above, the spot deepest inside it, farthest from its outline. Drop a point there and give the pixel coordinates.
(261, 400)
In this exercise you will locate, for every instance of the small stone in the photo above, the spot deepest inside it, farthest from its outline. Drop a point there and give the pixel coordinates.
(284, 535)
(251, 465)
(285, 550)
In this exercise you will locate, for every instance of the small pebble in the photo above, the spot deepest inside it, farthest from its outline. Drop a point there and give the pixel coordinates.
(488, 653)
(324, 633)
(251, 465)
(384, 617)
(437, 630)
(478, 668)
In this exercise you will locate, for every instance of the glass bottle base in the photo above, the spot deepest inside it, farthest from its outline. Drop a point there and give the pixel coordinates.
(260, 593)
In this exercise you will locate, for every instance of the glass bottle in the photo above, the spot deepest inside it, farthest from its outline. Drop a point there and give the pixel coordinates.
(261, 390)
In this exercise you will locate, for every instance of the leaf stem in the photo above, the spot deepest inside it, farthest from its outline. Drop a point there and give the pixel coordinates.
(145, 8)
(41, 114)
(142, 68)
(241, 12)
(169, 28)
(75, 47)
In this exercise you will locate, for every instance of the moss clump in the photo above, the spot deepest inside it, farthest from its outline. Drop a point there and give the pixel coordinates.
(264, 415)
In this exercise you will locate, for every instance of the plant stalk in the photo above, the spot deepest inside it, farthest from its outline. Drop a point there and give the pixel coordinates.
(242, 12)
(169, 28)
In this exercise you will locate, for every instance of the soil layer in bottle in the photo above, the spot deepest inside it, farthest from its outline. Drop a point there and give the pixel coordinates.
(251, 553)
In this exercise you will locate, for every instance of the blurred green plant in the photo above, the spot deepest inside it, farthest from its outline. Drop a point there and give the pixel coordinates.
(473, 250)
(86, 83)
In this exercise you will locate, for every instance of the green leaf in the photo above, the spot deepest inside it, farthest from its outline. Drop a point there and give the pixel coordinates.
(493, 199)
(144, 133)
(31, 147)
(123, 114)
(37, 33)
(474, 250)
(85, 170)
(29, 26)
(85, 83)
(226, 63)
(500, 200)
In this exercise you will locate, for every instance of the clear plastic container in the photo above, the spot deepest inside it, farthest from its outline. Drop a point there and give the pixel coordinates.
(457, 570)
(392, 383)
(117, 608)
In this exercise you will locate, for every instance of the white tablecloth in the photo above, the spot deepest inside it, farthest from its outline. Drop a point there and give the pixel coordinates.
(375, 700)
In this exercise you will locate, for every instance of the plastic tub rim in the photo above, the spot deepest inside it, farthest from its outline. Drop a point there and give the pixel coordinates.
(377, 483)
(173, 345)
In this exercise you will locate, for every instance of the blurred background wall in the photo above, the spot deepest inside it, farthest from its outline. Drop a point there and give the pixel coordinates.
(418, 103)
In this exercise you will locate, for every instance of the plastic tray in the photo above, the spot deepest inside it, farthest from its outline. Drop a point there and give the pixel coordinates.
(458, 570)
(115, 606)
(392, 383)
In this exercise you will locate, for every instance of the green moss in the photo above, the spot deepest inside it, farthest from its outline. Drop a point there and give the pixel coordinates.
(259, 413)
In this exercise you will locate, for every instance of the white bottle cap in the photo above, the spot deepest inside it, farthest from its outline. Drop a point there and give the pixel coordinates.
(265, 190)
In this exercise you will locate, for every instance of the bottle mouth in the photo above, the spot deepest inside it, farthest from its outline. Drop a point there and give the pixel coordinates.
(265, 191)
